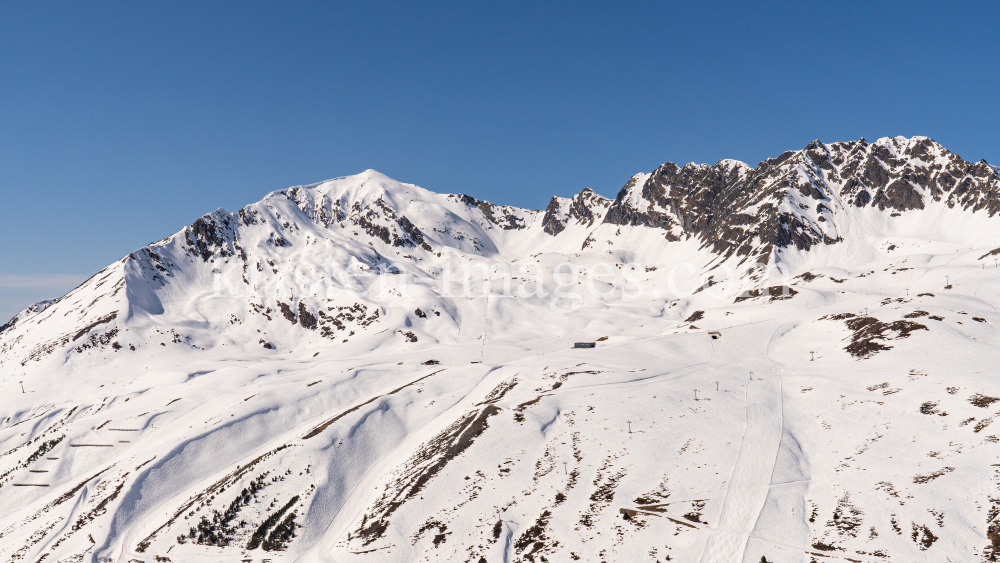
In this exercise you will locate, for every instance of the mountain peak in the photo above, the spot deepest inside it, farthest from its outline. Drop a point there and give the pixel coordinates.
(821, 196)
(361, 369)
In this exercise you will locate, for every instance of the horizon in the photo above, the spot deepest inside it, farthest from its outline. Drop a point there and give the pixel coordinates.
(21, 287)
(123, 123)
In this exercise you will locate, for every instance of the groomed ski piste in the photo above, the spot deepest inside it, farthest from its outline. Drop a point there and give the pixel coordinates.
(263, 386)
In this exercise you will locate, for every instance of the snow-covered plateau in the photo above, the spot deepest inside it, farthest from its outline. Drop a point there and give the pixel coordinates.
(797, 361)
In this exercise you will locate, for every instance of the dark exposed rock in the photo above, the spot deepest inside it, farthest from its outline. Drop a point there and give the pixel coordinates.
(899, 195)
(499, 216)
(105, 319)
(550, 222)
(421, 468)
(374, 229)
(416, 238)
(695, 316)
(210, 234)
(737, 210)
(870, 334)
(287, 312)
(982, 401)
(585, 208)
(863, 199)
(875, 173)
(306, 319)
(30, 310)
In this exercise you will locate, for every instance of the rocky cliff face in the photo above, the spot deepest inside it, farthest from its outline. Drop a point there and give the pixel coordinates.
(585, 208)
(797, 199)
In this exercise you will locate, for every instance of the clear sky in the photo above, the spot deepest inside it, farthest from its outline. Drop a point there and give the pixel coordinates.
(122, 122)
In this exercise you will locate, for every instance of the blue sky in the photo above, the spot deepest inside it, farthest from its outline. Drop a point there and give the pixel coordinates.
(122, 122)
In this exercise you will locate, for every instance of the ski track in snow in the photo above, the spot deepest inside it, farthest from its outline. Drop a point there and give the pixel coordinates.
(750, 479)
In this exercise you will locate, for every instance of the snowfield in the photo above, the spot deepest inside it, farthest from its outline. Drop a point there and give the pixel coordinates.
(795, 362)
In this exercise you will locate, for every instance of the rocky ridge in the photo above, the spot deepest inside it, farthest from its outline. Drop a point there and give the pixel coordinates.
(311, 379)
(748, 217)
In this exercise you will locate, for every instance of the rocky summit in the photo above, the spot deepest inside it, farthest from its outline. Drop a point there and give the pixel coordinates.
(791, 362)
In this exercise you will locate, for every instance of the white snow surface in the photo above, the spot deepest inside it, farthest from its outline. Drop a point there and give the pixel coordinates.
(376, 413)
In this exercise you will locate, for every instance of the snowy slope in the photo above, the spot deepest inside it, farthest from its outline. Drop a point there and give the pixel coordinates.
(792, 361)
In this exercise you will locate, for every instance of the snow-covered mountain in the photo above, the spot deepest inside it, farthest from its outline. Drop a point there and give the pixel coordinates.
(362, 369)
